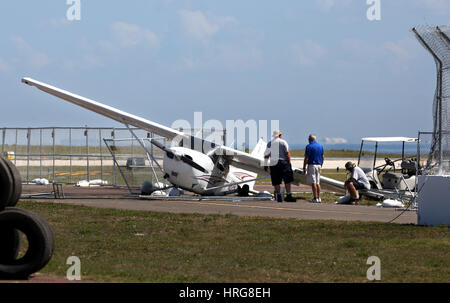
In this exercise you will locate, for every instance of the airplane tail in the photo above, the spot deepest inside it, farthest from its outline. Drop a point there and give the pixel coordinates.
(258, 152)
(259, 149)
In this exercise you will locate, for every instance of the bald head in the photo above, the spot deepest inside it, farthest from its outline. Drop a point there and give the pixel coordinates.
(312, 138)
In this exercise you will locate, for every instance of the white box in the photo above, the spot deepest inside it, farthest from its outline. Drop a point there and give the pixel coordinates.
(434, 200)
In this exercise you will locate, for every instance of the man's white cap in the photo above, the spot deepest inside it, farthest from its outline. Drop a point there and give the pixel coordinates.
(276, 133)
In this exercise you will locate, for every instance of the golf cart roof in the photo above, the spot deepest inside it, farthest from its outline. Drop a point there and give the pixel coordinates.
(389, 139)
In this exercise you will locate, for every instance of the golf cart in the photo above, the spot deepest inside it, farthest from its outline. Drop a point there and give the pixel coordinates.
(389, 177)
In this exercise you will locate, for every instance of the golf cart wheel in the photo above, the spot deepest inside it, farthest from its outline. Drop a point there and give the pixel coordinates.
(6, 185)
(40, 239)
(16, 182)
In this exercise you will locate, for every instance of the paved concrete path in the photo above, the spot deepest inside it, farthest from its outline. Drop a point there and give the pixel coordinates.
(298, 210)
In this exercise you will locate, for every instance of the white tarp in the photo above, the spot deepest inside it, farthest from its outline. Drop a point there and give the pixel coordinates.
(96, 182)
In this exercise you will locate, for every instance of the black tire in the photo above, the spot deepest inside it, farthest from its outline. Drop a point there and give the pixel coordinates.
(10, 245)
(17, 182)
(40, 238)
(6, 185)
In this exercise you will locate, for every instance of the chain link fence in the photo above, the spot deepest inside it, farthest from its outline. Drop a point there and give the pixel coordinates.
(72, 154)
(436, 40)
(431, 165)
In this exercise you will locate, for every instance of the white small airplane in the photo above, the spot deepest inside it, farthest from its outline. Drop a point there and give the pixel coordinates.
(193, 164)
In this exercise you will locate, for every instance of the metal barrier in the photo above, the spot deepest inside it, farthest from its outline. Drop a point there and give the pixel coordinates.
(71, 154)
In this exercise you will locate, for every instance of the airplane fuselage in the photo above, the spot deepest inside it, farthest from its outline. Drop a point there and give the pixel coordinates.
(204, 182)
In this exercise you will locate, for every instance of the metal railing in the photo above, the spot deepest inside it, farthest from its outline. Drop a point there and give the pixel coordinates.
(71, 154)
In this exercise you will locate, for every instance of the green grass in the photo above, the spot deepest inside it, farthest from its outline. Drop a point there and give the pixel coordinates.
(47, 150)
(138, 151)
(340, 175)
(141, 246)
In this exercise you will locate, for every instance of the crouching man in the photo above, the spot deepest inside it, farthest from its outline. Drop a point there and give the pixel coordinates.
(358, 180)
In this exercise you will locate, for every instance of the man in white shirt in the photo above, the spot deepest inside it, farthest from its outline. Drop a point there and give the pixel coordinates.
(280, 166)
(358, 180)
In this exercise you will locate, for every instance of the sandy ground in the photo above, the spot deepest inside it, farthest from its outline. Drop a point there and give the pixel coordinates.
(331, 163)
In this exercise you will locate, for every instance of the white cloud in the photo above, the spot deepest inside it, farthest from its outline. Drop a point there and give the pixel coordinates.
(197, 25)
(4, 66)
(91, 61)
(440, 7)
(335, 140)
(226, 20)
(107, 45)
(397, 55)
(240, 52)
(228, 57)
(59, 22)
(34, 58)
(402, 49)
(130, 35)
(359, 47)
(325, 5)
(231, 56)
(307, 53)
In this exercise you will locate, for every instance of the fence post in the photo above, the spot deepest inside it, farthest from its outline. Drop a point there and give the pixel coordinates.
(152, 151)
(54, 155)
(113, 135)
(3, 140)
(28, 153)
(224, 138)
(15, 148)
(70, 156)
(40, 153)
(101, 155)
(86, 133)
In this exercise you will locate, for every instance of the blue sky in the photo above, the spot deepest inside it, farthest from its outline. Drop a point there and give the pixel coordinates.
(316, 66)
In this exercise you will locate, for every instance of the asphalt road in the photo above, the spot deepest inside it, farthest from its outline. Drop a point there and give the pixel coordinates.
(109, 197)
(298, 210)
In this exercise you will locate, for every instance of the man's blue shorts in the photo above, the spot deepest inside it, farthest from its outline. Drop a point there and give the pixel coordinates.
(358, 185)
(282, 171)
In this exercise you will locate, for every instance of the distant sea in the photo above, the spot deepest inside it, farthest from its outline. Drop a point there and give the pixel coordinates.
(410, 148)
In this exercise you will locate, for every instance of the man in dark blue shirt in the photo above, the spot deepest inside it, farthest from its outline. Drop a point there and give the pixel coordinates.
(314, 158)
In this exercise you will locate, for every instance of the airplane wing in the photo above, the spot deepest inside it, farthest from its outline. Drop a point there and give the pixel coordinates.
(255, 162)
(107, 111)
(252, 162)
(240, 159)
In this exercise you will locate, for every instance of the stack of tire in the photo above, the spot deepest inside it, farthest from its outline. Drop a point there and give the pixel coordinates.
(13, 222)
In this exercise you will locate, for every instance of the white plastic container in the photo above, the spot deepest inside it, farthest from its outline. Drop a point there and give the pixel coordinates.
(434, 200)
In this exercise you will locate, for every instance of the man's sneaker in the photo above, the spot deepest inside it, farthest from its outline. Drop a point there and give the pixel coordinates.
(313, 200)
(354, 201)
(289, 198)
(278, 197)
(319, 200)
